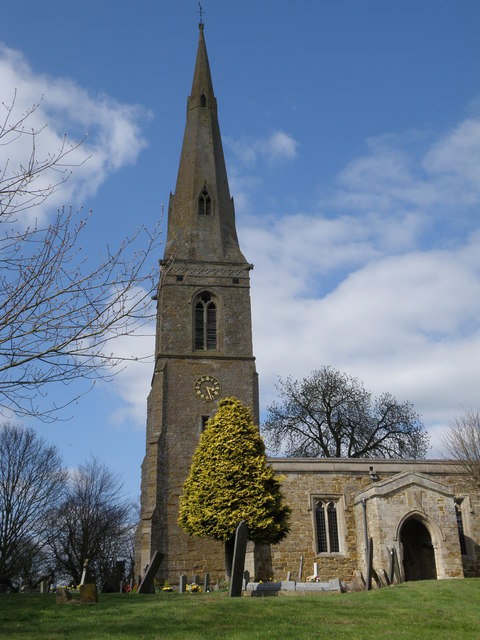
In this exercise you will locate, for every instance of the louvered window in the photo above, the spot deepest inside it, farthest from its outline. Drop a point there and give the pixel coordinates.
(326, 520)
(204, 203)
(205, 323)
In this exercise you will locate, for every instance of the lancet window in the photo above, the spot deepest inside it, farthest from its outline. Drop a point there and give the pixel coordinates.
(205, 323)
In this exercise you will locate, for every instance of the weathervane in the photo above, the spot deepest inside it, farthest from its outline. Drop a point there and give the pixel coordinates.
(201, 12)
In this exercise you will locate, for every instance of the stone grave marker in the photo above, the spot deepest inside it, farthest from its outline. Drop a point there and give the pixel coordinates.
(83, 579)
(246, 578)
(396, 566)
(368, 581)
(63, 595)
(238, 564)
(206, 582)
(183, 584)
(146, 585)
(88, 592)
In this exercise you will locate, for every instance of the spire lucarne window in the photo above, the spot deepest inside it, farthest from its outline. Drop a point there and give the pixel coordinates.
(204, 203)
(205, 323)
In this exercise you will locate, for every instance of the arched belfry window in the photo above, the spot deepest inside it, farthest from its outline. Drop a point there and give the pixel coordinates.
(205, 322)
(204, 203)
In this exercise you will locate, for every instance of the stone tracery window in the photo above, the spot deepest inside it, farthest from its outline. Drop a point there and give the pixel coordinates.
(205, 320)
(204, 203)
(327, 525)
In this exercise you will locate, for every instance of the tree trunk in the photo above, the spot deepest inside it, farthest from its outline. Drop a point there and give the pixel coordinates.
(229, 547)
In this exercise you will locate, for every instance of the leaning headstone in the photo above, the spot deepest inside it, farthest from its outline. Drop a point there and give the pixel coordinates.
(396, 567)
(368, 581)
(300, 569)
(88, 592)
(183, 584)
(391, 565)
(238, 564)
(206, 582)
(358, 583)
(63, 595)
(146, 585)
(383, 578)
(289, 576)
(83, 579)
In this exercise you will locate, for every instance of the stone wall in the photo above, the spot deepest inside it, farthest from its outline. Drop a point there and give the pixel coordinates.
(401, 490)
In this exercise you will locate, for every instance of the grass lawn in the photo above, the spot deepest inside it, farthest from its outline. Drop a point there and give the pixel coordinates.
(430, 609)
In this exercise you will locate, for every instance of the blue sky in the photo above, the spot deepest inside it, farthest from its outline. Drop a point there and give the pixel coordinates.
(352, 139)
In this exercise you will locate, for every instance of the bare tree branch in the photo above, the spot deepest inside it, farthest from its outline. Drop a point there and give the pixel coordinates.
(31, 483)
(330, 414)
(59, 312)
(462, 443)
(91, 524)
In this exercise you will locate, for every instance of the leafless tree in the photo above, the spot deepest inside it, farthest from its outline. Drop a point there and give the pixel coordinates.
(59, 312)
(462, 443)
(92, 523)
(330, 414)
(31, 483)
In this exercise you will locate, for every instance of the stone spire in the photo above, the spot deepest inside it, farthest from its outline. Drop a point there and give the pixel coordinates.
(201, 215)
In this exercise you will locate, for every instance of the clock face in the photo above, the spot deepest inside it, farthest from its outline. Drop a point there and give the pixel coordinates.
(207, 388)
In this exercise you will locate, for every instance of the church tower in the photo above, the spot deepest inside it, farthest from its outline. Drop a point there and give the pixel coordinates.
(203, 346)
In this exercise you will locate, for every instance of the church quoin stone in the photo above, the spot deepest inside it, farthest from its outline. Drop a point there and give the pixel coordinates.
(424, 510)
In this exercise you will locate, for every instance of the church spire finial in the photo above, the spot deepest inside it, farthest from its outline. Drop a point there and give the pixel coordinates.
(201, 12)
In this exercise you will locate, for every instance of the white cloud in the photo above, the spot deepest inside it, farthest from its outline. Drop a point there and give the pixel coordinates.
(412, 173)
(388, 289)
(131, 385)
(278, 147)
(114, 137)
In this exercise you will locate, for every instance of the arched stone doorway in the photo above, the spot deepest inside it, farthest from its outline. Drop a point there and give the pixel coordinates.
(418, 551)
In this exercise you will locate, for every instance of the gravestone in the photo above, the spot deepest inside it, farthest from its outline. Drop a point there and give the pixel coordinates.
(88, 592)
(183, 584)
(300, 569)
(206, 582)
(396, 567)
(289, 576)
(146, 585)
(83, 579)
(238, 564)
(383, 578)
(246, 579)
(369, 573)
(44, 586)
(63, 595)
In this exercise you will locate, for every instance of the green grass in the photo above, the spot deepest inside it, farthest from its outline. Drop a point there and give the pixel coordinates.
(431, 609)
